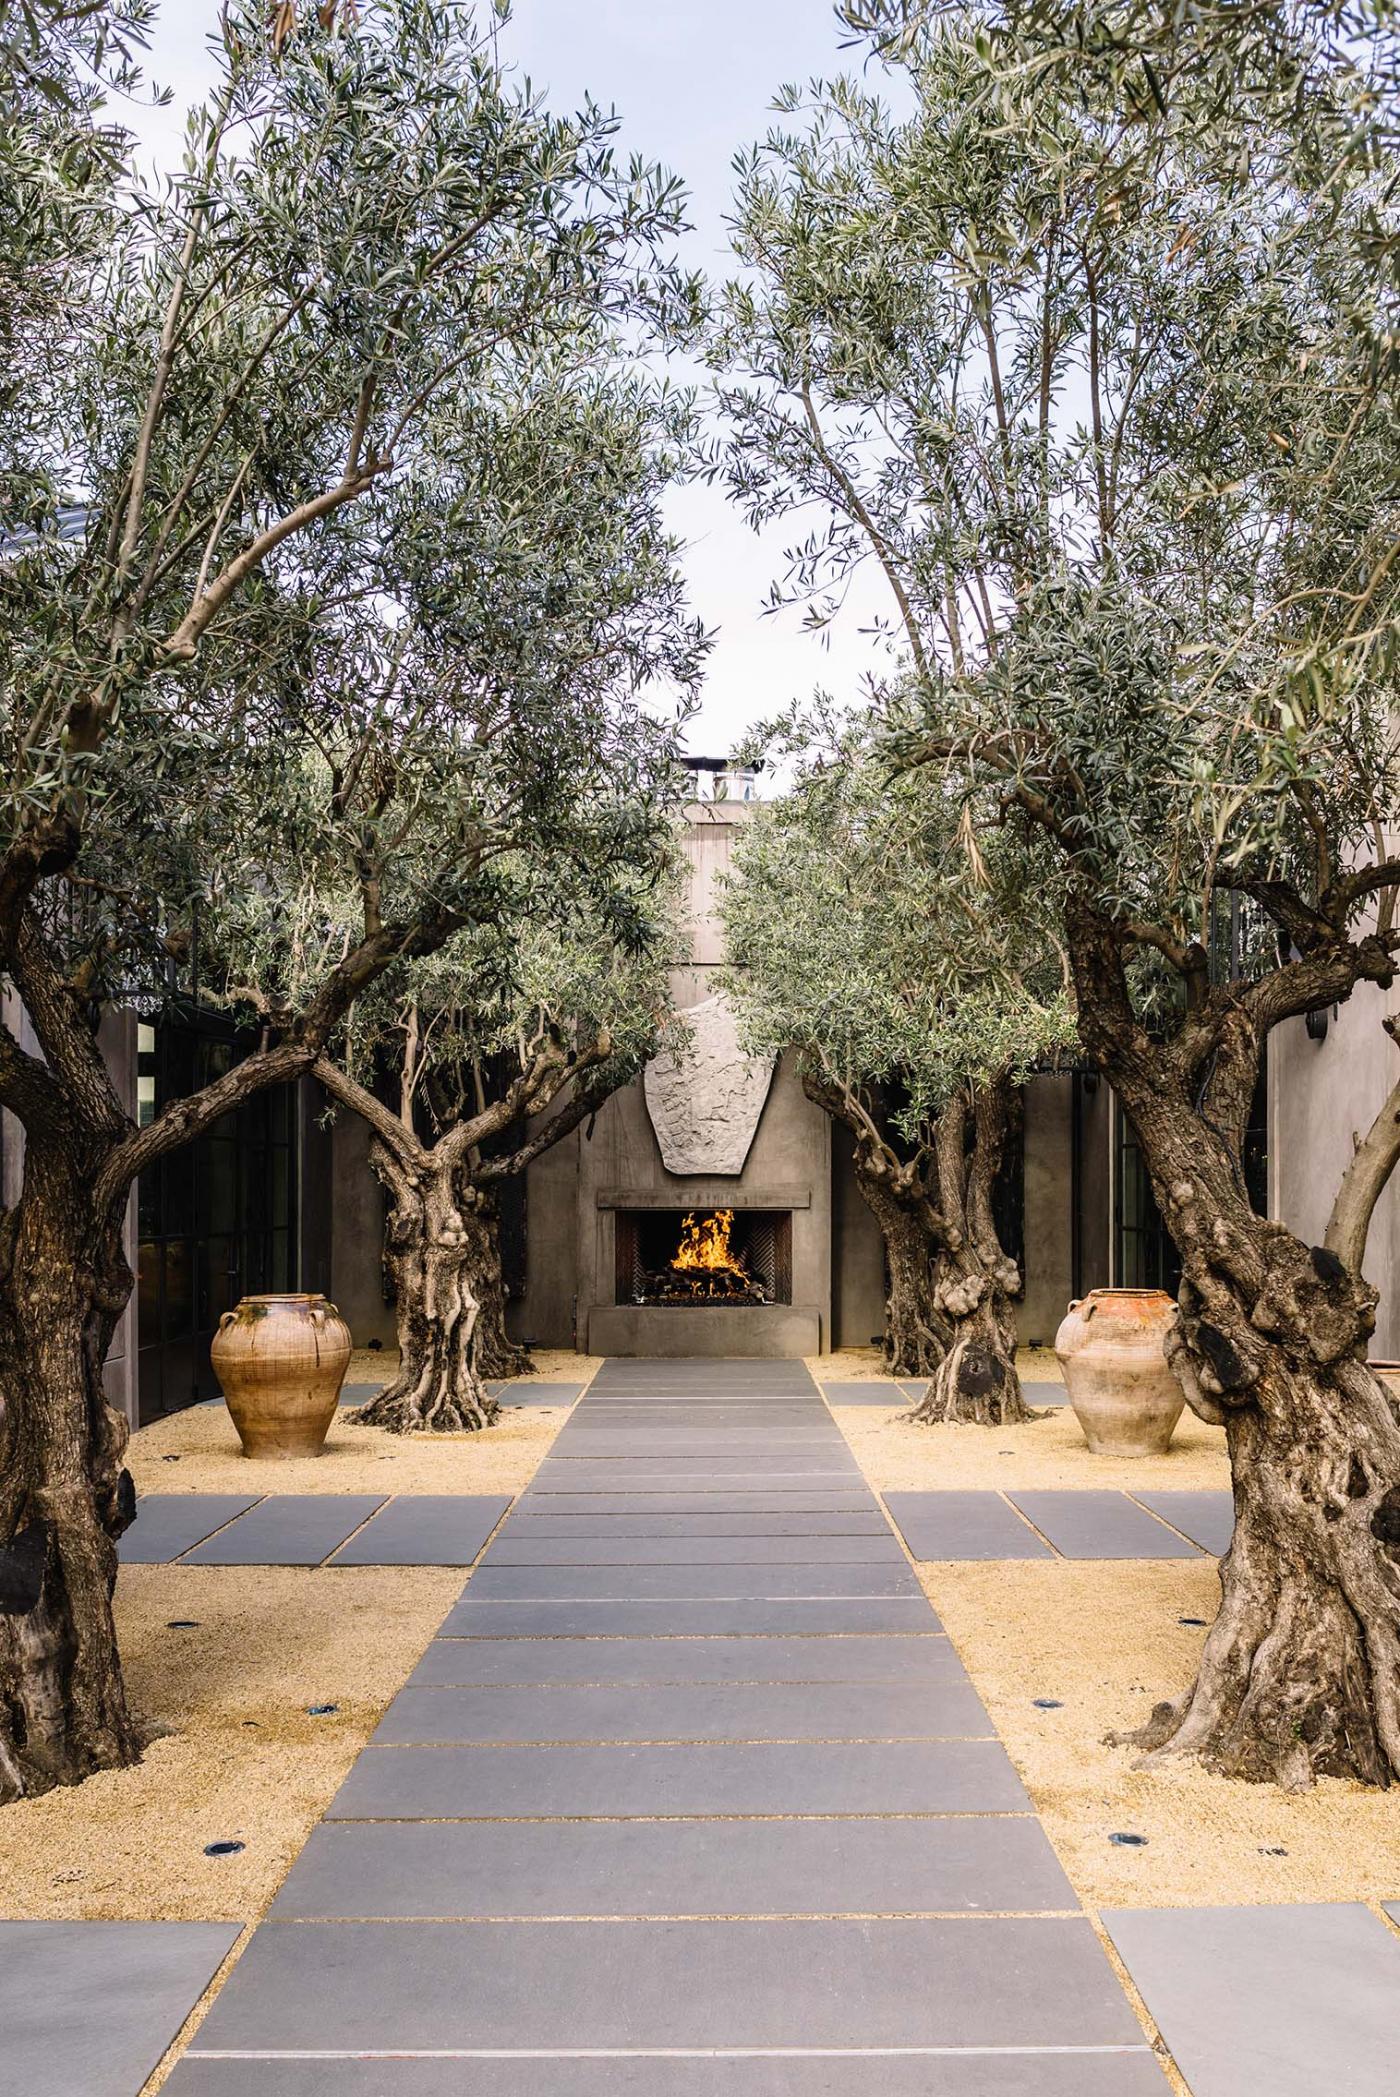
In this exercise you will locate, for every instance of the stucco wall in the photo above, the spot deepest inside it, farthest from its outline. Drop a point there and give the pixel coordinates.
(789, 1166)
(1322, 1095)
(857, 1253)
(545, 1314)
(357, 1234)
(1048, 1231)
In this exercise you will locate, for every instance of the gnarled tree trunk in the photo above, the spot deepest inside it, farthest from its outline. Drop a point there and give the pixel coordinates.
(64, 1496)
(916, 1331)
(948, 1309)
(428, 1251)
(497, 1355)
(976, 1382)
(1300, 1673)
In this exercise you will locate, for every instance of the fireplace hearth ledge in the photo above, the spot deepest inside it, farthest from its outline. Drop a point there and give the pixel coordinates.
(771, 1331)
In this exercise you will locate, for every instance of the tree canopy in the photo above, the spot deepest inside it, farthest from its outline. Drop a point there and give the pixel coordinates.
(1112, 407)
(870, 930)
(332, 554)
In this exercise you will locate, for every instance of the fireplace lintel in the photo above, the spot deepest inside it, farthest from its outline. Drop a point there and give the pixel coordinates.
(707, 1194)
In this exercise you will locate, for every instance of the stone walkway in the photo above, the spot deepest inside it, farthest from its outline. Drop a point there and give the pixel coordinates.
(690, 1798)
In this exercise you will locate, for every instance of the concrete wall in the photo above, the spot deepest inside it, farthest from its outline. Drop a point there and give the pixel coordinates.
(575, 1191)
(1322, 1095)
(1048, 1215)
(357, 1235)
(117, 1039)
(546, 1314)
(789, 1167)
(857, 1253)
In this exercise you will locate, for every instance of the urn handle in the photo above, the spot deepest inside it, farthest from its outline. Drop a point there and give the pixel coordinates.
(226, 1321)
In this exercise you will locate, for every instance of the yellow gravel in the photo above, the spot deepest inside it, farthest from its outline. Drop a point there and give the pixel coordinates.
(1103, 1639)
(242, 1759)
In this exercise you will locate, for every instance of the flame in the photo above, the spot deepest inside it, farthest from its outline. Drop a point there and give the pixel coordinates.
(705, 1244)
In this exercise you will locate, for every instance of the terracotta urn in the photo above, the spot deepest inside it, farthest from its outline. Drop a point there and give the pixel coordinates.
(280, 1361)
(1389, 1374)
(1120, 1383)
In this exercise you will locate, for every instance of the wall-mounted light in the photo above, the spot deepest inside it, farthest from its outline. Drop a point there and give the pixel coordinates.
(1318, 1021)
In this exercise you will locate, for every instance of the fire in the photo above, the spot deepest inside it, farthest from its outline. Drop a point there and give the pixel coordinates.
(705, 1244)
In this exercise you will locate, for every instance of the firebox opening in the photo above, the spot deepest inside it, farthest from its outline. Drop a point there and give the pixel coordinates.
(696, 1257)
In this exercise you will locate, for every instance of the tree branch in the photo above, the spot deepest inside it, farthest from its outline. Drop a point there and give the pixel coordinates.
(209, 602)
(391, 1130)
(1366, 1177)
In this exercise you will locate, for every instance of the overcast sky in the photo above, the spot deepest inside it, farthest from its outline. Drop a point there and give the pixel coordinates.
(692, 81)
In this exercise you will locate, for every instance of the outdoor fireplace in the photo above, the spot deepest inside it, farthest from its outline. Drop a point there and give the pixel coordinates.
(689, 1259)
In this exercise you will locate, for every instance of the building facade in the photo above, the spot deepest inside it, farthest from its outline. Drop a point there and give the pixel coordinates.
(281, 1196)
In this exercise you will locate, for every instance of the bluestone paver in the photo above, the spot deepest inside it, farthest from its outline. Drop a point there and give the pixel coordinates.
(498, 1662)
(288, 1529)
(426, 1529)
(1288, 2001)
(734, 1469)
(88, 2008)
(688, 1616)
(530, 1391)
(169, 1524)
(1101, 1525)
(962, 1525)
(847, 1499)
(650, 1477)
(523, 1547)
(1207, 1518)
(894, 1397)
(1118, 2072)
(539, 1523)
(576, 1986)
(688, 1711)
(764, 1379)
(749, 1777)
(526, 1583)
(676, 1867)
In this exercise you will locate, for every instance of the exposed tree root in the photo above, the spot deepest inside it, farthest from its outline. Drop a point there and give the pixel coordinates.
(976, 1382)
(1300, 1674)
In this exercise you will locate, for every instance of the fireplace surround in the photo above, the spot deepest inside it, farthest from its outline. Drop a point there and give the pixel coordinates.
(656, 1266)
(782, 1239)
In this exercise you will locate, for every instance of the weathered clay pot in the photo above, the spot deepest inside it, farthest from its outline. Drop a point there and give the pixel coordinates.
(1389, 1374)
(1119, 1381)
(281, 1361)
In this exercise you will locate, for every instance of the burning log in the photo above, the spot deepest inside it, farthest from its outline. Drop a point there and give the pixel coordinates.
(703, 1269)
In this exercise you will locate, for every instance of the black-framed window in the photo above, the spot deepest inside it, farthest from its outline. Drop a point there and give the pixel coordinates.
(216, 1218)
(1147, 1255)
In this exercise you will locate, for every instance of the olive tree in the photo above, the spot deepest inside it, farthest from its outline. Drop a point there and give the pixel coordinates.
(234, 536)
(918, 994)
(496, 1049)
(1175, 483)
